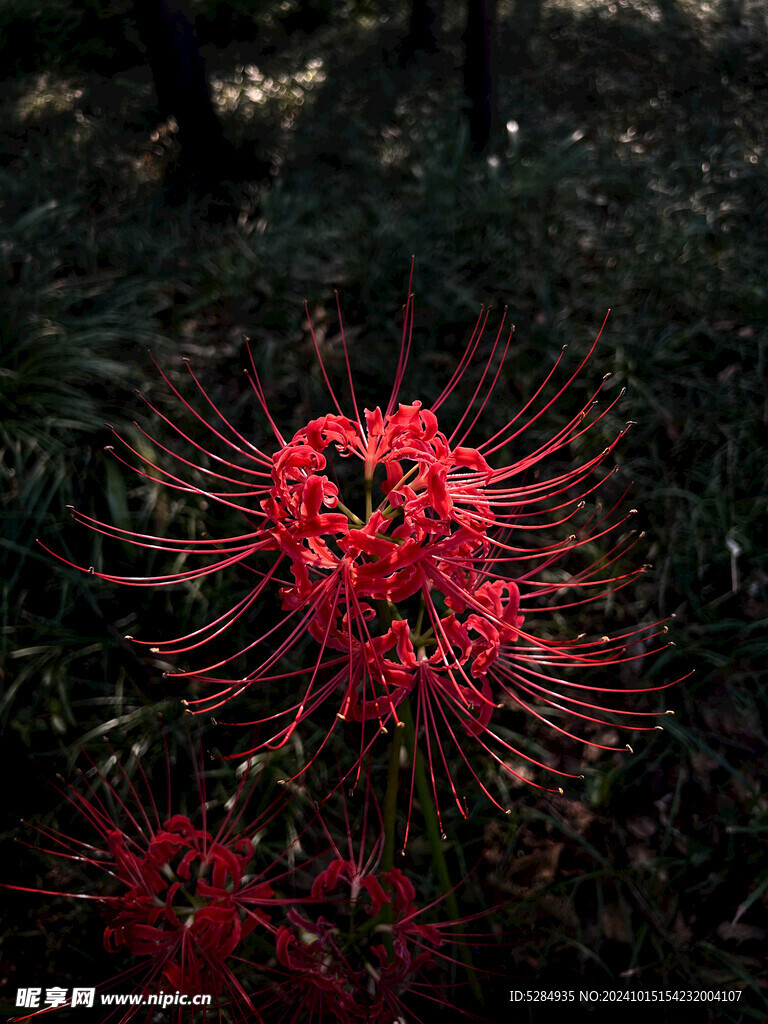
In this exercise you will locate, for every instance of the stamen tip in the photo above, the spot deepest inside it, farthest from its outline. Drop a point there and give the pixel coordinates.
(127, 637)
(91, 570)
(669, 712)
(339, 715)
(154, 650)
(660, 728)
(630, 749)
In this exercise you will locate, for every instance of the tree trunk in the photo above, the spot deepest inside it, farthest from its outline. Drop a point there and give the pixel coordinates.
(420, 31)
(420, 37)
(167, 30)
(524, 25)
(480, 73)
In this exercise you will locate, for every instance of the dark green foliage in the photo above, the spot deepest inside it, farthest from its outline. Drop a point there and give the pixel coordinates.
(635, 178)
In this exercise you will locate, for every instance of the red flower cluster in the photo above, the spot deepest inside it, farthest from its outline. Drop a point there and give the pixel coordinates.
(186, 904)
(357, 963)
(424, 589)
(183, 899)
(419, 582)
(190, 906)
(386, 555)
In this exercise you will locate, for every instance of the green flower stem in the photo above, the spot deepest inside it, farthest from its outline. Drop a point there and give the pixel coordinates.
(387, 915)
(420, 619)
(436, 842)
(368, 498)
(349, 514)
(390, 801)
(390, 797)
(385, 508)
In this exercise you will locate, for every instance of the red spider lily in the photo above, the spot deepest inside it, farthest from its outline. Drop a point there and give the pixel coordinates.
(342, 966)
(362, 944)
(424, 590)
(184, 898)
(184, 905)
